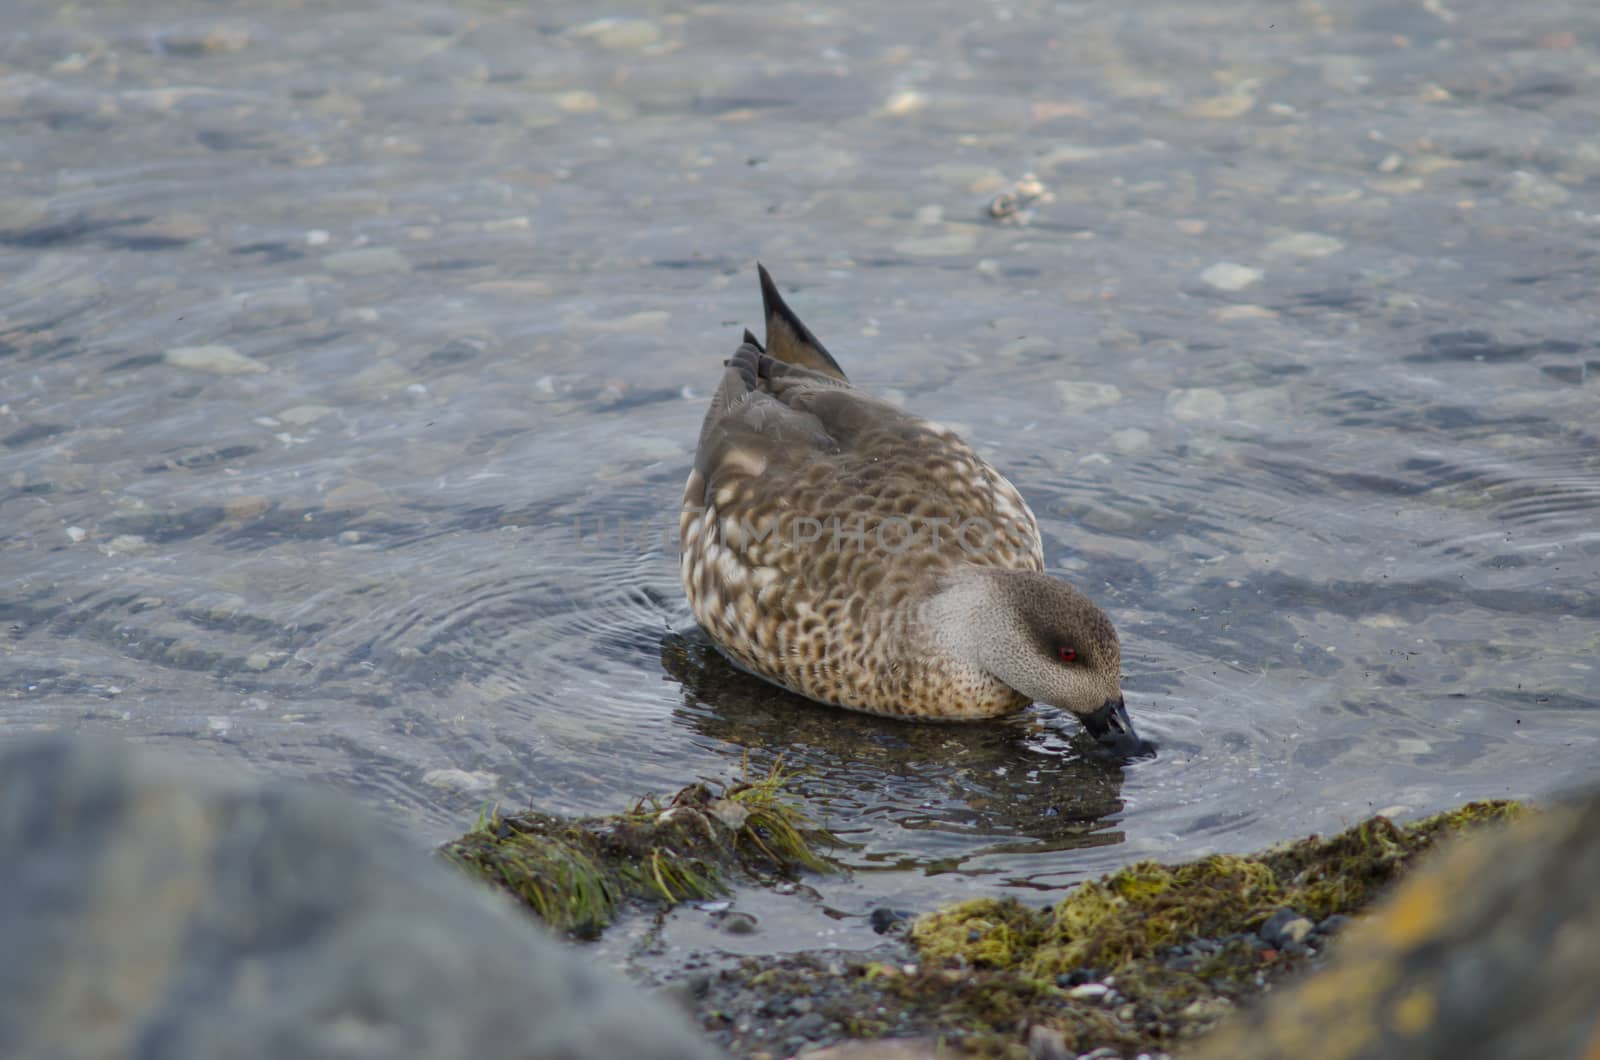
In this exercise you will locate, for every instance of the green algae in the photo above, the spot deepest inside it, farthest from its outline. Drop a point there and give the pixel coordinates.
(993, 968)
(576, 875)
(1137, 911)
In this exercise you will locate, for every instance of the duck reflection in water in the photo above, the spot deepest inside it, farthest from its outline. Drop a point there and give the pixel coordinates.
(1027, 784)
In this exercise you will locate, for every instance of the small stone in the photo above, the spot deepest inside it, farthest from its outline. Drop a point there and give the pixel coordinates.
(730, 813)
(1232, 104)
(884, 919)
(214, 40)
(259, 660)
(1089, 992)
(76, 534)
(1303, 245)
(349, 537)
(904, 102)
(1284, 927)
(460, 779)
(247, 507)
(304, 415)
(813, 1026)
(220, 360)
(802, 1006)
(1079, 396)
(1247, 311)
(734, 923)
(578, 101)
(1207, 1008)
(1198, 403)
(1227, 276)
(368, 261)
(126, 543)
(1047, 1043)
(620, 34)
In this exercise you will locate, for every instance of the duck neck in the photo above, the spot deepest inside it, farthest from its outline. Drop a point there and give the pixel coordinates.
(961, 618)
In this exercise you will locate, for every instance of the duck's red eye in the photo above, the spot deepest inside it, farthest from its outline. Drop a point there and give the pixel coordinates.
(1068, 655)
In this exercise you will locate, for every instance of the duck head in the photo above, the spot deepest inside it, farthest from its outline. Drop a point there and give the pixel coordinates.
(1047, 640)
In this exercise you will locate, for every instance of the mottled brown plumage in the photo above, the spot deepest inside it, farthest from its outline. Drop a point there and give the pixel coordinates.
(865, 557)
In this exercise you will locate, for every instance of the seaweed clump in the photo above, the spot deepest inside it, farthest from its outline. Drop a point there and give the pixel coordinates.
(1155, 953)
(576, 875)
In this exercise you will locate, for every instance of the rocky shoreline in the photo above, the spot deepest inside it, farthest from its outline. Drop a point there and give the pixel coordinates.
(1141, 962)
(151, 907)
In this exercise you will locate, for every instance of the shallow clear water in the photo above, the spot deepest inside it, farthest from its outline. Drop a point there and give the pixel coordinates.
(350, 364)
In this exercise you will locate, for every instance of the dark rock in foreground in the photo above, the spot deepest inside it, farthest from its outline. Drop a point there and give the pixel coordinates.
(148, 910)
(1492, 951)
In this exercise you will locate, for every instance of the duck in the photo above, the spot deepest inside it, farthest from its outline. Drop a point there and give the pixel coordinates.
(858, 555)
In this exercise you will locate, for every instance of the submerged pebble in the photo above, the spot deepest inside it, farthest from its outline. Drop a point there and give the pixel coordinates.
(1227, 276)
(217, 359)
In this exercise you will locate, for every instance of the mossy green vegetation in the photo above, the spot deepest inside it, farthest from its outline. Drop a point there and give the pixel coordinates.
(575, 875)
(1133, 913)
(994, 968)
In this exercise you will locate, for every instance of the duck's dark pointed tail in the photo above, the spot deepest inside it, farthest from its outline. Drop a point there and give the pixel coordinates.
(788, 340)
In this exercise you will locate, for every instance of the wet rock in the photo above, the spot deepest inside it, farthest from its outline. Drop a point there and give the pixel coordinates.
(1285, 927)
(148, 909)
(1475, 955)
(884, 919)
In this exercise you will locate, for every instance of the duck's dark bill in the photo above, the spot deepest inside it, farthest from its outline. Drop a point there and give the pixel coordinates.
(1113, 730)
